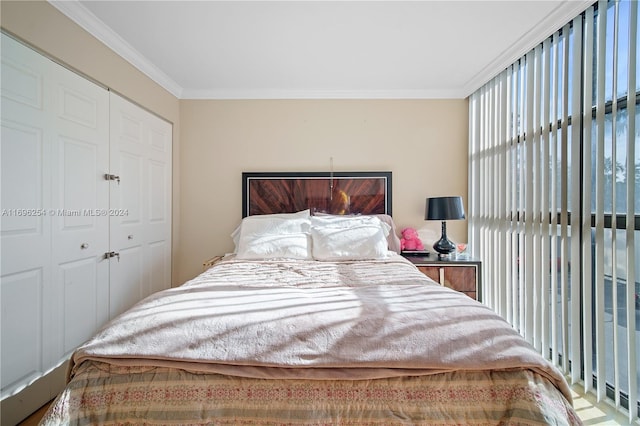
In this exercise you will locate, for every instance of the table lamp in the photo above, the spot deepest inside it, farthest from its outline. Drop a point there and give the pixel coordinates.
(444, 208)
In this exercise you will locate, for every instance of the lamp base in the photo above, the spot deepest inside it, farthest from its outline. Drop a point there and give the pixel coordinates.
(444, 246)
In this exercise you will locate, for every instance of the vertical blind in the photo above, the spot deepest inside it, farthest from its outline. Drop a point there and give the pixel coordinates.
(554, 199)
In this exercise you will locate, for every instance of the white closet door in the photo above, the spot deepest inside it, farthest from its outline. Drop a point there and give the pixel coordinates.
(61, 135)
(55, 152)
(81, 202)
(25, 227)
(140, 204)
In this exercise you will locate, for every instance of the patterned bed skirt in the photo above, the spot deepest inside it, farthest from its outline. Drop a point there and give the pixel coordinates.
(112, 395)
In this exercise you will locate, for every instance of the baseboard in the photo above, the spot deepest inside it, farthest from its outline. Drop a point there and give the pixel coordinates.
(18, 407)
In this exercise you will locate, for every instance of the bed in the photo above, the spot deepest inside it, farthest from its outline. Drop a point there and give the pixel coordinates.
(313, 320)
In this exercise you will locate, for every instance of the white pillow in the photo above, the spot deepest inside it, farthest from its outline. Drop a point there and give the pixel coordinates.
(348, 238)
(235, 235)
(267, 236)
(393, 240)
(338, 221)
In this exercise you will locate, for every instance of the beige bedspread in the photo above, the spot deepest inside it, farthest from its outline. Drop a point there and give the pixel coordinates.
(314, 320)
(103, 394)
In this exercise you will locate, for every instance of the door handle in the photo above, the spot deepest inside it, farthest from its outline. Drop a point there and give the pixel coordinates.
(108, 176)
(110, 254)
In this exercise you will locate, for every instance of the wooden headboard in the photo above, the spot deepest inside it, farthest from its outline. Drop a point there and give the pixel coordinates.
(336, 193)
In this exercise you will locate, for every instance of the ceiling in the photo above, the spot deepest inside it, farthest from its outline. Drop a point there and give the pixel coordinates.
(321, 49)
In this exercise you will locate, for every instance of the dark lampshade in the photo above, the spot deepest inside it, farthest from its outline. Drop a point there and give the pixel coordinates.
(444, 208)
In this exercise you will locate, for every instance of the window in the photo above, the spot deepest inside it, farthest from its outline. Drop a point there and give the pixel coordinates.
(555, 190)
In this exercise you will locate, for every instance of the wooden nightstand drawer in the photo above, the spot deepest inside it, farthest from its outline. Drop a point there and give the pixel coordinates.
(462, 275)
(461, 278)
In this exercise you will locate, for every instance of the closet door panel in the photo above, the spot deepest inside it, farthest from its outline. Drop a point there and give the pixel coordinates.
(22, 327)
(159, 203)
(127, 230)
(80, 280)
(127, 279)
(81, 193)
(157, 196)
(129, 191)
(25, 224)
(81, 202)
(25, 152)
(141, 226)
(24, 75)
(25, 195)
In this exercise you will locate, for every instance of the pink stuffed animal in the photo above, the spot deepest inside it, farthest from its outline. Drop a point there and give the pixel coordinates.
(410, 240)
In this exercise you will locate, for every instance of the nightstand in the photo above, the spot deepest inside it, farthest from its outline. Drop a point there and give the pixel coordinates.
(210, 262)
(463, 275)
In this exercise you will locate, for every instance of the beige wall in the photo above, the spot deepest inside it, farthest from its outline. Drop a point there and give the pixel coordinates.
(43, 27)
(423, 142)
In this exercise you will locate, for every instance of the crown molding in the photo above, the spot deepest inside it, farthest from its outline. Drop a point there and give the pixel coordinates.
(320, 94)
(555, 20)
(75, 11)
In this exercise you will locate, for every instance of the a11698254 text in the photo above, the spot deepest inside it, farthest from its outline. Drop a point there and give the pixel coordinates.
(64, 212)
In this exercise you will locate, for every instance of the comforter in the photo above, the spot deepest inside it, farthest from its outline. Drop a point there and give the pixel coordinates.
(363, 325)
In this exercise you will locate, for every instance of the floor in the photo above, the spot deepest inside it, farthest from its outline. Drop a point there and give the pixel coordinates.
(592, 413)
(585, 407)
(33, 419)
